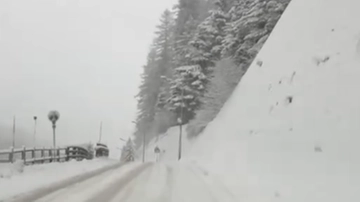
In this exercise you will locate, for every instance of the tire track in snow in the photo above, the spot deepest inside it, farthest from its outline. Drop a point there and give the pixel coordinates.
(169, 181)
(215, 181)
(110, 191)
(39, 193)
(206, 187)
(226, 194)
(154, 185)
(130, 188)
(75, 188)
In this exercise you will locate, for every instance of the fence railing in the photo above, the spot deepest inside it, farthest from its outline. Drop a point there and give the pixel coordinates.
(44, 155)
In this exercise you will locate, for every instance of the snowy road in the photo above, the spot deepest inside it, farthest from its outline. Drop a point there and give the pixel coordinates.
(150, 182)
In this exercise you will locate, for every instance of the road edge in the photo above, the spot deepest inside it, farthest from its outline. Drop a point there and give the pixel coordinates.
(38, 193)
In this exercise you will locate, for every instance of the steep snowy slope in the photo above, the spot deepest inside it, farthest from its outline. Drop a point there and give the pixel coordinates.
(290, 131)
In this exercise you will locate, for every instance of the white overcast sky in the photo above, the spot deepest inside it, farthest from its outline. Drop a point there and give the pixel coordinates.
(80, 57)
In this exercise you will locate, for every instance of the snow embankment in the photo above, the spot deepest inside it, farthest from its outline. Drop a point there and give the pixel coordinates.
(168, 144)
(290, 131)
(17, 179)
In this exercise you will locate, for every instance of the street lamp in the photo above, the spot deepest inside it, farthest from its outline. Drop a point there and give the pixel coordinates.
(144, 136)
(122, 139)
(100, 132)
(35, 118)
(180, 121)
(13, 133)
(120, 149)
(53, 117)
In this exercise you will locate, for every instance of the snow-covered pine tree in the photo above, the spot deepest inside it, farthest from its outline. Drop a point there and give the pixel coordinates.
(186, 89)
(128, 152)
(251, 22)
(198, 56)
(189, 14)
(165, 49)
(153, 88)
(210, 34)
(241, 26)
(147, 96)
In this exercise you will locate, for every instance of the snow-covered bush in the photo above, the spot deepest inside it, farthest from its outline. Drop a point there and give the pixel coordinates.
(8, 170)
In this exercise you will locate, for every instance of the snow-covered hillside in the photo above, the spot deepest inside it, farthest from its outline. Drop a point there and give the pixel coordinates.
(290, 131)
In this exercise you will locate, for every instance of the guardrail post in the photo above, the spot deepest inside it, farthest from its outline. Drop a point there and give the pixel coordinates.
(67, 153)
(50, 155)
(33, 153)
(23, 154)
(43, 155)
(54, 154)
(57, 155)
(11, 155)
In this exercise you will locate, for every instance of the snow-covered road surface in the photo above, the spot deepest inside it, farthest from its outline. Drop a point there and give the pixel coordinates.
(150, 182)
(17, 180)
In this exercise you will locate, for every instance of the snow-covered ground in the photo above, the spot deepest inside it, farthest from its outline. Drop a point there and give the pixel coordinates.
(290, 131)
(168, 143)
(16, 179)
(137, 182)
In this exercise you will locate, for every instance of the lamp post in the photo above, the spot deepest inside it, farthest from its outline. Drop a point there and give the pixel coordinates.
(53, 117)
(13, 134)
(180, 121)
(100, 132)
(35, 118)
(143, 152)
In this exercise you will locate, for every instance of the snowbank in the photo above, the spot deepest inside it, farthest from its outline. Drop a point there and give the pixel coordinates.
(16, 179)
(168, 144)
(290, 131)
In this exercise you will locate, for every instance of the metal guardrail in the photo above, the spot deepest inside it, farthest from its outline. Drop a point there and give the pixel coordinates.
(44, 155)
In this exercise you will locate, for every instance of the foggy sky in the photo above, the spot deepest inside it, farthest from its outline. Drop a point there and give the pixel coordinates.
(80, 57)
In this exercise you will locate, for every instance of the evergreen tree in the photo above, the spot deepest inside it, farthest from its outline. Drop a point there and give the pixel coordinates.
(189, 14)
(198, 53)
(164, 45)
(241, 27)
(153, 88)
(128, 152)
(251, 22)
(183, 76)
(210, 34)
(186, 89)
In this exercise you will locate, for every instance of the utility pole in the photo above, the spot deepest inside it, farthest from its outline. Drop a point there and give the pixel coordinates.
(13, 134)
(100, 133)
(180, 120)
